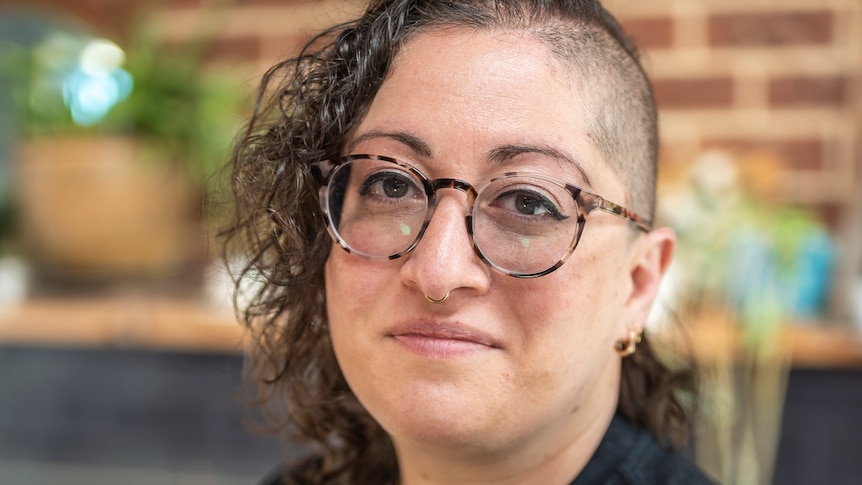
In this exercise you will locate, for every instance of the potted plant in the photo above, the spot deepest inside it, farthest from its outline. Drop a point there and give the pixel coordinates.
(116, 147)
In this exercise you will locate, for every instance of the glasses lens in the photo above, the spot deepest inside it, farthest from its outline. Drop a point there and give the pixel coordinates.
(524, 225)
(376, 208)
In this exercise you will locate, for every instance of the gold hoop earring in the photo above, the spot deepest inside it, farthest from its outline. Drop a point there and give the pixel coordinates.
(441, 300)
(629, 346)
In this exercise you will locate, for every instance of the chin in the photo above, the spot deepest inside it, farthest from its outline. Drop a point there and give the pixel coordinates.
(446, 433)
(439, 418)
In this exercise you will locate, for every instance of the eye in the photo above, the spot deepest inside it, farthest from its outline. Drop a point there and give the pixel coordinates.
(528, 203)
(395, 187)
(390, 185)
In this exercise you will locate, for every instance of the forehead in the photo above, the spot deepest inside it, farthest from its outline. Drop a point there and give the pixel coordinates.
(466, 92)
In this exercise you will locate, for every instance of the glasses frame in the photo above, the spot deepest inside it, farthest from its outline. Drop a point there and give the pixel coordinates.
(586, 201)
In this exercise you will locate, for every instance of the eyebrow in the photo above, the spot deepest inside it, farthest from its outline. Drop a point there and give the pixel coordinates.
(418, 146)
(497, 156)
(505, 153)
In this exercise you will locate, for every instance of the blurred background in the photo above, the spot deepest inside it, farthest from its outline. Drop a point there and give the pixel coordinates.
(120, 358)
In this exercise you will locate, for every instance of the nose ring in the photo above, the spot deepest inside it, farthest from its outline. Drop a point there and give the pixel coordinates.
(441, 300)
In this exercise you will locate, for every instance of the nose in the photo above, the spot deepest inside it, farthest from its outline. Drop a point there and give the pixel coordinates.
(444, 259)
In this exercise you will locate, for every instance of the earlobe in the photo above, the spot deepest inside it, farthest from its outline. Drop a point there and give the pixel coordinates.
(651, 258)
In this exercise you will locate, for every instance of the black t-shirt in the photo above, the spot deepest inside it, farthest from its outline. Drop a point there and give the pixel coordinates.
(627, 455)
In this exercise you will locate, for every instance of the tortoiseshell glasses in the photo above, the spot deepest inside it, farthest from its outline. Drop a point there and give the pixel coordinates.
(522, 224)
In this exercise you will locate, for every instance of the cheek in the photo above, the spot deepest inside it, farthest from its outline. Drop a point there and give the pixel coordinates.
(358, 294)
(348, 307)
(574, 312)
(578, 295)
(353, 283)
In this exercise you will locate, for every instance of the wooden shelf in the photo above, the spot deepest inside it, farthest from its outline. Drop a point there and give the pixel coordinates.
(134, 322)
(809, 344)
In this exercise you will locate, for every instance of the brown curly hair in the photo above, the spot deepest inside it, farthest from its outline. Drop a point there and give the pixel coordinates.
(306, 109)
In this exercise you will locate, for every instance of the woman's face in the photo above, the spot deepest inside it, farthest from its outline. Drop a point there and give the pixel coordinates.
(503, 363)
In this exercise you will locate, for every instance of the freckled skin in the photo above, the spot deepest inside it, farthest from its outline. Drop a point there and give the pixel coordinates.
(532, 408)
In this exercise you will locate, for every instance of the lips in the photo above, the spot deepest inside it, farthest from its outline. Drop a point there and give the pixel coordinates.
(441, 339)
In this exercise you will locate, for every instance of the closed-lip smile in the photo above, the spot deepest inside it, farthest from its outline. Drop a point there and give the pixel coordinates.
(441, 339)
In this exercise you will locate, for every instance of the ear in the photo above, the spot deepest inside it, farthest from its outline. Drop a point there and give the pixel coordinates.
(650, 257)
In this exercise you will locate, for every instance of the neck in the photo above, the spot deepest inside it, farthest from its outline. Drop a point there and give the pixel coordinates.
(556, 463)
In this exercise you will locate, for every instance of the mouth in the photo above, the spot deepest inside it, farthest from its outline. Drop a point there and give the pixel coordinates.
(441, 340)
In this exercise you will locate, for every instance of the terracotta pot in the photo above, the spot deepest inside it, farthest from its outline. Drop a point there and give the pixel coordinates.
(103, 207)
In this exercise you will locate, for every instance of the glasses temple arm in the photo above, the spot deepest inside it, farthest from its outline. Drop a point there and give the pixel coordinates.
(621, 211)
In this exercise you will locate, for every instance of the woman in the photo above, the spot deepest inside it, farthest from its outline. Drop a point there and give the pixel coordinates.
(411, 194)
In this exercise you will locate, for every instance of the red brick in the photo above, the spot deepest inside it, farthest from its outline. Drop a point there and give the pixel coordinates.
(806, 154)
(284, 46)
(649, 33)
(830, 214)
(235, 49)
(792, 91)
(753, 29)
(111, 19)
(694, 93)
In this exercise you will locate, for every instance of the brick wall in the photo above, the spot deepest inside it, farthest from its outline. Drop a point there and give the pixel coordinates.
(746, 75)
